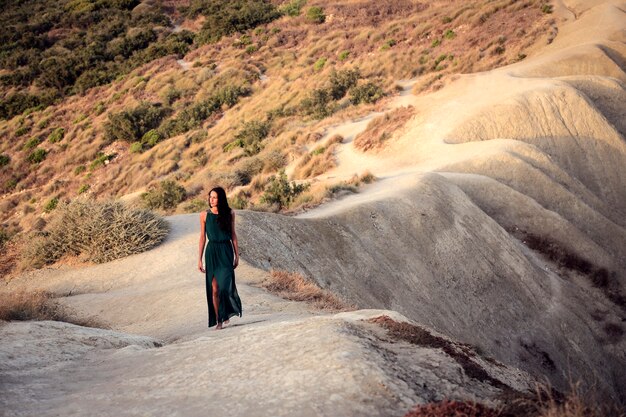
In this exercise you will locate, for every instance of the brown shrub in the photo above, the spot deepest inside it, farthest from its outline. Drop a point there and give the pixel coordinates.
(99, 231)
(39, 305)
(293, 286)
(382, 128)
(449, 408)
(574, 405)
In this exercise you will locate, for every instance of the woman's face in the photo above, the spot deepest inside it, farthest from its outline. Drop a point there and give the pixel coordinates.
(212, 199)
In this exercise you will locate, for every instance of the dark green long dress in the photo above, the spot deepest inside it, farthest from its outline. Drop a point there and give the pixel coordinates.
(218, 260)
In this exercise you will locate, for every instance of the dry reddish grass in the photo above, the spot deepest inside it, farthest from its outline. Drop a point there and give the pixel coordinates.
(319, 160)
(382, 128)
(449, 408)
(293, 286)
(39, 305)
(574, 405)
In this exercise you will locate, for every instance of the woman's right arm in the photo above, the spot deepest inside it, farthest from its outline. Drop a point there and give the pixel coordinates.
(202, 241)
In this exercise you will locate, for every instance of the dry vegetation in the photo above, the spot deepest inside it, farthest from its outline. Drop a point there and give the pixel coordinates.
(382, 128)
(318, 161)
(545, 402)
(39, 305)
(98, 232)
(449, 408)
(258, 78)
(293, 286)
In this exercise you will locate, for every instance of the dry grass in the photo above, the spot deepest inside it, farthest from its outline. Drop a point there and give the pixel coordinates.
(382, 128)
(320, 192)
(100, 232)
(575, 404)
(449, 408)
(293, 286)
(39, 305)
(318, 161)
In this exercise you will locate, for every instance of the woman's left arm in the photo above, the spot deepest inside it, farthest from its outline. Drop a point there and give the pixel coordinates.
(234, 239)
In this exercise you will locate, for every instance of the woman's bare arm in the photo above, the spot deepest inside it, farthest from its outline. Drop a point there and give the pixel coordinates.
(202, 241)
(234, 239)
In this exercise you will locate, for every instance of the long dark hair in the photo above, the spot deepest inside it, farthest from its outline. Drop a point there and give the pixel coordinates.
(224, 215)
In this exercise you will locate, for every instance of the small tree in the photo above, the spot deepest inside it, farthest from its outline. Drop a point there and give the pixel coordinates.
(280, 191)
(316, 14)
(166, 196)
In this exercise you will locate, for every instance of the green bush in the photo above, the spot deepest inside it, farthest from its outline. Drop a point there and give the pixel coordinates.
(80, 169)
(197, 205)
(317, 103)
(195, 115)
(131, 125)
(56, 135)
(171, 95)
(84, 188)
(342, 81)
(449, 34)
(21, 131)
(546, 8)
(136, 147)
(37, 156)
(293, 8)
(388, 44)
(32, 143)
(343, 55)
(18, 103)
(319, 64)
(239, 201)
(315, 14)
(435, 43)
(51, 205)
(4, 237)
(4, 160)
(10, 184)
(226, 18)
(167, 195)
(151, 137)
(101, 160)
(280, 192)
(250, 137)
(101, 232)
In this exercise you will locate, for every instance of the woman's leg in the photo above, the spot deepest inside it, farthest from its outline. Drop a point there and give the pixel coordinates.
(216, 304)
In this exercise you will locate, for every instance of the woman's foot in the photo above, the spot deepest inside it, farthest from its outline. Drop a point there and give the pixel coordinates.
(219, 326)
(226, 322)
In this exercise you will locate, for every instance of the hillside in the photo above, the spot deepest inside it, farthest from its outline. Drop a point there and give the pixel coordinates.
(270, 92)
(483, 202)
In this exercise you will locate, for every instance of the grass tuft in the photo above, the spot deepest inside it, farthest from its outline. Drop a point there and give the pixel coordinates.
(293, 286)
(38, 305)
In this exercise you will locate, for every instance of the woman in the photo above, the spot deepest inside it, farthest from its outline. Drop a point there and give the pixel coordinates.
(221, 257)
